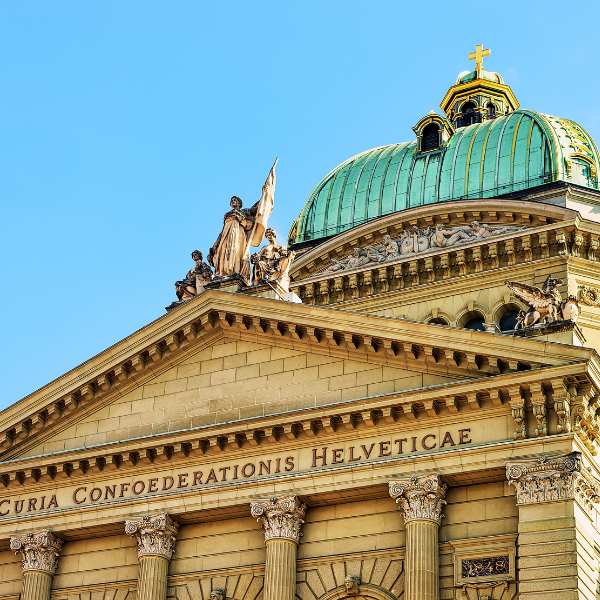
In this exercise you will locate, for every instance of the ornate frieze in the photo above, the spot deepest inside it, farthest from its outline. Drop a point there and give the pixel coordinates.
(154, 534)
(417, 240)
(280, 517)
(39, 551)
(551, 479)
(421, 498)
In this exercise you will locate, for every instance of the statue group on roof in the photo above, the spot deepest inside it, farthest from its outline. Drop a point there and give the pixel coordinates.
(243, 228)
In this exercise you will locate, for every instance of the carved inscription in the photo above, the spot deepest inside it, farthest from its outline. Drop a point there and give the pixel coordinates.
(481, 567)
(208, 474)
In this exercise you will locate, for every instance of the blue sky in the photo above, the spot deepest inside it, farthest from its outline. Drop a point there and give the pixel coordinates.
(126, 126)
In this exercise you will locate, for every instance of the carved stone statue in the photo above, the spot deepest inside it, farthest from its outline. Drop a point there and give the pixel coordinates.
(272, 262)
(228, 254)
(390, 247)
(481, 230)
(242, 228)
(195, 280)
(448, 236)
(544, 304)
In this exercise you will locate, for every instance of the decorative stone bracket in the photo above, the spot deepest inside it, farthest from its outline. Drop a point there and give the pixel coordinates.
(155, 535)
(280, 517)
(40, 551)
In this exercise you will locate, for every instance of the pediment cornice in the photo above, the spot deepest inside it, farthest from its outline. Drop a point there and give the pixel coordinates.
(213, 315)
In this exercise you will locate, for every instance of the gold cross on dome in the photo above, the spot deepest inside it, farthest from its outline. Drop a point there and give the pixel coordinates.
(478, 55)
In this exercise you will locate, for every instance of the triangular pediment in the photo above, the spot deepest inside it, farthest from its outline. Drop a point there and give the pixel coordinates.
(230, 360)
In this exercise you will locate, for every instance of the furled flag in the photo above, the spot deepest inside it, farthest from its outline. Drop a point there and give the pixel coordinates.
(264, 208)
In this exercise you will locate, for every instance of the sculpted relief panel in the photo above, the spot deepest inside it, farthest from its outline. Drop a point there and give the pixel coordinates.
(417, 240)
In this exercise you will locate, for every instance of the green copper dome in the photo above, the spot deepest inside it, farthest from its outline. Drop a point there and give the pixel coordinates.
(521, 150)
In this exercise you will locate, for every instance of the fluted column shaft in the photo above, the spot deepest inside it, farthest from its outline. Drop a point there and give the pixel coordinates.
(281, 519)
(421, 500)
(152, 577)
(36, 585)
(155, 537)
(280, 569)
(39, 561)
(422, 560)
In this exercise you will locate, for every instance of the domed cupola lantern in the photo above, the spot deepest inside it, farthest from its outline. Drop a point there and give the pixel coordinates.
(478, 96)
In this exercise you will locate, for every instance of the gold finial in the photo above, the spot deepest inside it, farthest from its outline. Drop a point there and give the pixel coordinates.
(477, 56)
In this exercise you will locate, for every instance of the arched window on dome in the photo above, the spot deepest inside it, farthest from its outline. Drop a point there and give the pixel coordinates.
(431, 138)
(468, 114)
(491, 110)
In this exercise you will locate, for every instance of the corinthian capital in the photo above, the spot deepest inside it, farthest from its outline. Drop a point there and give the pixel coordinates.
(155, 535)
(40, 551)
(421, 498)
(280, 517)
(556, 478)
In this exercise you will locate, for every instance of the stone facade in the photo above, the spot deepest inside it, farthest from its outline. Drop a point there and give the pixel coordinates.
(369, 442)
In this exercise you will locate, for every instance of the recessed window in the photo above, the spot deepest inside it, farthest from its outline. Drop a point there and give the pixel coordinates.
(476, 324)
(431, 138)
(438, 321)
(508, 320)
(491, 110)
(468, 114)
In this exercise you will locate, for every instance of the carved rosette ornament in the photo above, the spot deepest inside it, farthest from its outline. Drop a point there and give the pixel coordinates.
(590, 295)
(155, 535)
(421, 498)
(556, 478)
(280, 517)
(40, 551)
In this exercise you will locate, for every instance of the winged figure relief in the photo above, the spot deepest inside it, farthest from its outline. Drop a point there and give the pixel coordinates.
(544, 304)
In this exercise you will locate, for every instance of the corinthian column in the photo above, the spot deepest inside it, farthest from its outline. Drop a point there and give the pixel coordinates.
(40, 553)
(555, 495)
(281, 520)
(421, 500)
(155, 537)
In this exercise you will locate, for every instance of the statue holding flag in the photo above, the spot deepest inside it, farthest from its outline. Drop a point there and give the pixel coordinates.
(242, 228)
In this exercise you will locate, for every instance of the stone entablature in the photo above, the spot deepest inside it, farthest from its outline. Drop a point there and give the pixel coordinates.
(280, 517)
(487, 254)
(214, 315)
(155, 535)
(39, 551)
(271, 432)
(553, 478)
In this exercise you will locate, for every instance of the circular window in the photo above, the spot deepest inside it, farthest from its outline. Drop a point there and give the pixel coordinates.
(508, 320)
(475, 324)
